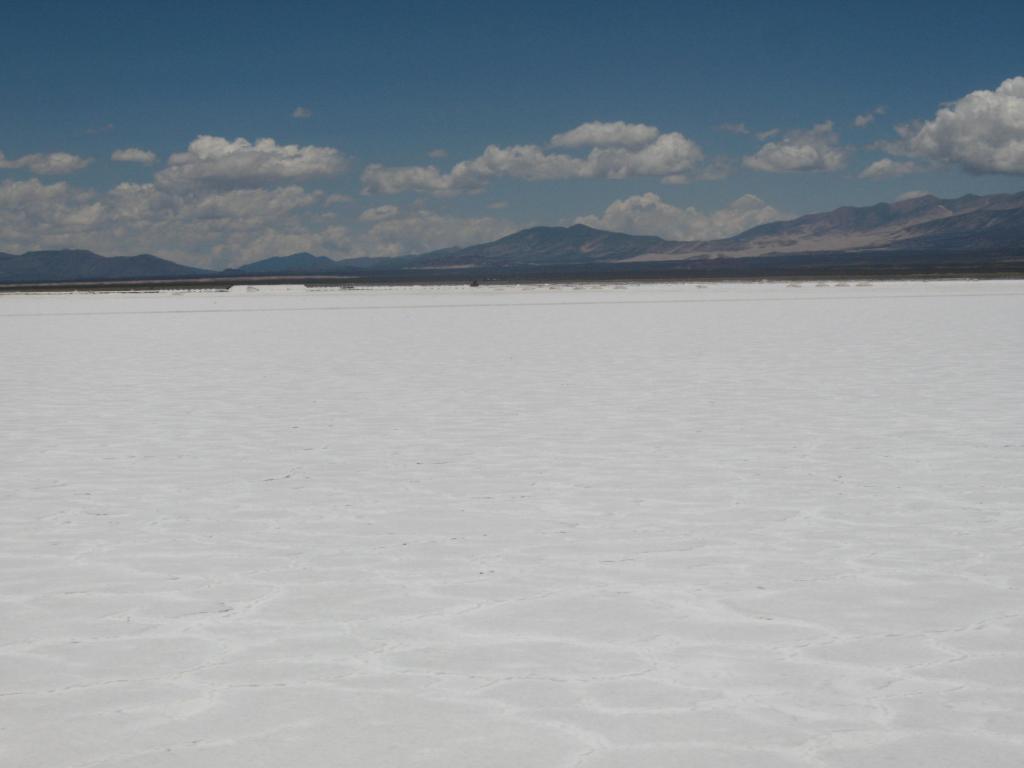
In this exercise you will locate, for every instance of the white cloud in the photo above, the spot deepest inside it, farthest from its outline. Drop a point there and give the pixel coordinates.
(302, 113)
(523, 162)
(48, 164)
(203, 227)
(133, 155)
(330, 241)
(213, 227)
(248, 205)
(216, 162)
(814, 150)
(668, 154)
(380, 179)
(716, 169)
(887, 167)
(423, 231)
(147, 204)
(54, 163)
(868, 118)
(740, 129)
(765, 135)
(911, 195)
(379, 213)
(37, 215)
(983, 132)
(437, 154)
(598, 134)
(648, 214)
(15, 193)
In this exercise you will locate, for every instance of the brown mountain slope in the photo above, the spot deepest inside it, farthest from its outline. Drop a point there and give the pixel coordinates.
(967, 222)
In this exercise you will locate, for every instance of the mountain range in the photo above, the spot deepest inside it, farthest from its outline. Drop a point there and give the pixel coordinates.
(981, 233)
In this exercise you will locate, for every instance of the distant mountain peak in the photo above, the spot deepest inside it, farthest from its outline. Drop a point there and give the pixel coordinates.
(301, 263)
(924, 225)
(78, 265)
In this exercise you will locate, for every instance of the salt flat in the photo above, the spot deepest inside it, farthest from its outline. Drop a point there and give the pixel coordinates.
(732, 525)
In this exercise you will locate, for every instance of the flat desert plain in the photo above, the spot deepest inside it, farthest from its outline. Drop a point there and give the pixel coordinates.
(733, 525)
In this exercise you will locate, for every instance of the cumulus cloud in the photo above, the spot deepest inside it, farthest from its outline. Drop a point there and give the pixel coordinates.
(203, 227)
(133, 155)
(648, 214)
(669, 153)
(715, 169)
(216, 228)
(887, 167)
(302, 113)
(814, 150)
(983, 132)
(49, 164)
(666, 154)
(390, 180)
(868, 118)
(34, 214)
(247, 205)
(149, 210)
(216, 162)
(54, 163)
(15, 193)
(379, 213)
(598, 134)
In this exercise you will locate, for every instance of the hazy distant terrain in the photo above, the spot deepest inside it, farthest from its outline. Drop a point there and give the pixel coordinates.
(922, 223)
(730, 525)
(973, 233)
(68, 265)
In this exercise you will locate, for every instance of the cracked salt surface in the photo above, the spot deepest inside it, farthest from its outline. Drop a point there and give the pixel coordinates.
(728, 525)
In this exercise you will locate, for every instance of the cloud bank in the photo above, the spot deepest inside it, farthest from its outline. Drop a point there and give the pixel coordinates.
(214, 161)
(221, 203)
(648, 214)
(51, 164)
(814, 150)
(217, 203)
(618, 151)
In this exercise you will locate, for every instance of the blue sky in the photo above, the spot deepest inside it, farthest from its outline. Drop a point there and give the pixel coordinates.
(699, 119)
